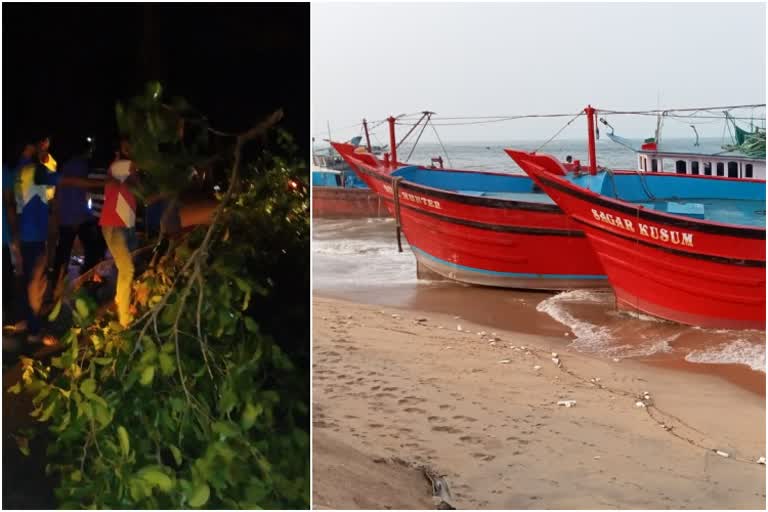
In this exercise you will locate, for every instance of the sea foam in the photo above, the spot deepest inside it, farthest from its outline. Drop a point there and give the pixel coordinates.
(735, 352)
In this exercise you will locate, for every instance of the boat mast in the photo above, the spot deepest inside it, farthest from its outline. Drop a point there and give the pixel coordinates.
(392, 141)
(367, 137)
(591, 127)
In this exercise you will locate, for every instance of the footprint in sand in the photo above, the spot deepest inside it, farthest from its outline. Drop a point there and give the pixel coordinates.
(447, 429)
(414, 410)
(410, 400)
(465, 418)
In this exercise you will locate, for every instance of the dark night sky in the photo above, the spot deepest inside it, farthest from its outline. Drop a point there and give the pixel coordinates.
(65, 66)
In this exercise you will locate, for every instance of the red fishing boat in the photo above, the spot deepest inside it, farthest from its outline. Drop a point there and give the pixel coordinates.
(685, 248)
(333, 198)
(337, 192)
(494, 229)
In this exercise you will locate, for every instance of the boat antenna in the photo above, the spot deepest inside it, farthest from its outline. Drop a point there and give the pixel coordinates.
(697, 135)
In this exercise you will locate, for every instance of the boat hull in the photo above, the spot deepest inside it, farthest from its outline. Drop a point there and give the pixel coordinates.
(704, 274)
(486, 241)
(337, 202)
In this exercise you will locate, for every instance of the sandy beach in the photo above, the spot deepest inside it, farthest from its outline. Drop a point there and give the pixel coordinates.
(397, 389)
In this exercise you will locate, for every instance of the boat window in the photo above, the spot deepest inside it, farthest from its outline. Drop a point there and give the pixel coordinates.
(642, 164)
(733, 169)
(720, 169)
(707, 168)
(694, 167)
(748, 171)
(680, 166)
(654, 165)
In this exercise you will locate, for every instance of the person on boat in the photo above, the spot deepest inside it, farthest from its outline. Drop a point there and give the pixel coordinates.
(569, 164)
(118, 225)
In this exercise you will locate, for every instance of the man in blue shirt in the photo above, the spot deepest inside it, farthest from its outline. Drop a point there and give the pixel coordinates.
(32, 181)
(75, 218)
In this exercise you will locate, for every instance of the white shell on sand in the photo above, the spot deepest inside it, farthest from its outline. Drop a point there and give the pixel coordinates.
(505, 361)
(761, 460)
(567, 403)
(639, 404)
(722, 453)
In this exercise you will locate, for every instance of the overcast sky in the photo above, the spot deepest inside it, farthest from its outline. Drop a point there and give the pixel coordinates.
(372, 60)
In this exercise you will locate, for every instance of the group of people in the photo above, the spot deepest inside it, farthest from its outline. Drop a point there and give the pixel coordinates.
(46, 207)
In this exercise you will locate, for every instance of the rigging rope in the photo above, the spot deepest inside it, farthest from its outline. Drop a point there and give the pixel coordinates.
(441, 145)
(417, 141)
(559, 131)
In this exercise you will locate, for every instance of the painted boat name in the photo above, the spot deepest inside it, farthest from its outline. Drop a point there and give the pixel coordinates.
(646, 230)
(416, 199)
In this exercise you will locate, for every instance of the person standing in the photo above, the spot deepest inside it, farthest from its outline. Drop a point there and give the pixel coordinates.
(32, 182)
(118, 224)
(163, 220)
(75, 219)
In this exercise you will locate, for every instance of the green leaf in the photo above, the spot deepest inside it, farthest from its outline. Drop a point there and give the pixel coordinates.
(15, 389)
(54, 314)
(225, 429)
(125, 442)
(250, 414)
(167, 364)
(82, 307)
(228, 400)
(156, 477)
(147, 376)
(176, 454)
(23, 444)
(47, 412)
(88, 387)
(251, 325)
(198, 495)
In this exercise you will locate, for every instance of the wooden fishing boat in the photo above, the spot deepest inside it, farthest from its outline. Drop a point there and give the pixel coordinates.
(334, 197)
(493, 229)
(682, 247)
(743, 159)
(338, 193)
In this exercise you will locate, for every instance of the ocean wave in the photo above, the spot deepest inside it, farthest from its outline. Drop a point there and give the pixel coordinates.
(588, 335)
(608, 340)
(353, 247)
(735, 352)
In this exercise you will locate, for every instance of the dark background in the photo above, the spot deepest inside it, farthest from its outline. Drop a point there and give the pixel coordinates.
(66, 65)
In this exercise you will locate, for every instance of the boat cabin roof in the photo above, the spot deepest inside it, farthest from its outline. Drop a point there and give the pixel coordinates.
(707, 148)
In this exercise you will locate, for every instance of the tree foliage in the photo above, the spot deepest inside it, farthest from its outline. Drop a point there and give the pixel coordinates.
(203, 402)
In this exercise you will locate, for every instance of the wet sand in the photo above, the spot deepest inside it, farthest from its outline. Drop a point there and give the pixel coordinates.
(482, 414)
(516, 311)
(358, 261)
